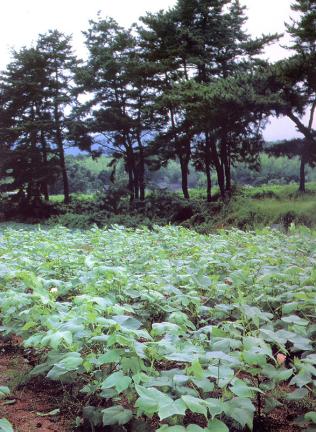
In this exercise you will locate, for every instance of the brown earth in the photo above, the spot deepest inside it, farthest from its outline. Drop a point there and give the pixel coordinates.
(27, 399)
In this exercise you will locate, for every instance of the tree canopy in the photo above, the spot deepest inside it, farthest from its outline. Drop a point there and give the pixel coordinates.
(186, 84)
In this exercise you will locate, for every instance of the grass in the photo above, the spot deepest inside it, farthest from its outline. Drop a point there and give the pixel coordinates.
(75, 196)
(261, 206)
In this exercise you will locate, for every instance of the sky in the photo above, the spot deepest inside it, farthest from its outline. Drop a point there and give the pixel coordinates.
(22, 20)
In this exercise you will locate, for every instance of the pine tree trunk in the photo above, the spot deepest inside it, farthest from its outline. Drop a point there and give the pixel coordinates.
(142, 186)
(64, 174)
(226, 165)
(44, 151)
(45, 191)
(228, 177)
(302, 175)
(129, 168)
(136, 183)
(184, 164)
(208, 159)
(209, 183)
(61, 154)
(130, 183)
(184, 160)
(218, 166)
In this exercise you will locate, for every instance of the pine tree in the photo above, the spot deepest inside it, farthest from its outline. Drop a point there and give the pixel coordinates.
(294, 80)
(27, 161)
(60, 67)
(117, 77)
(203, 41)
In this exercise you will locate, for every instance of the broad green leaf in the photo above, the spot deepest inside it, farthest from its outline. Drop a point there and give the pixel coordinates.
(270, 404)
(302, 378)
(294, 319)
(241, 389)
(127, 322)
(241, 410)
(196, 369)
(4, 392)
(71, 362)
(5, 425)
(216, 425)
(174, 408)
(116, 415)
(215, 406)
(195, 428)
(117, 380)
(54, 339)
(152, 400)
(204, 384)
(195, 405)
(297, 394)
(112, 356)
(311, 416)
(277, 374)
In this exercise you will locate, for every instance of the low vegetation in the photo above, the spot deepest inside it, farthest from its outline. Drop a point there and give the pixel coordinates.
(167, 329)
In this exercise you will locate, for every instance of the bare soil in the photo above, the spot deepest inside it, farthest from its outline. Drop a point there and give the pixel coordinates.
(28, 399)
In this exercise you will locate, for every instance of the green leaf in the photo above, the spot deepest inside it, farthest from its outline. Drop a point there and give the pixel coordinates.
(298, 394)
(112, 356)
(71, 362)
(254, 358)
(311, 416)
(168, 410)
(116, 415)
(159, 329)
(5, 425)
(152, 400)
(4, 392)
(294, 319)
(196, 369)
(215, 406)
(54, 339)
(195, 428)
(204, 384)
(195, 405)
(220, 356)
(93, 415)
(241, 389)
(117, 380)
(270, 404)
(241, 410)
(127, 322)
(216, 425)
(302, 378)
(275, 374)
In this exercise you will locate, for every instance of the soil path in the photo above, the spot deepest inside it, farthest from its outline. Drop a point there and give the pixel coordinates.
(27, 399)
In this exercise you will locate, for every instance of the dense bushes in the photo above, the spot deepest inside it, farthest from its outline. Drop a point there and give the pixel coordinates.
(248, 208)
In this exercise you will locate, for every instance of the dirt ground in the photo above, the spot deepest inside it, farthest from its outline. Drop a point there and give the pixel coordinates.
(26, 403)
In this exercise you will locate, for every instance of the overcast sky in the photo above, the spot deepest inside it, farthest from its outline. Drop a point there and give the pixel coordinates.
(22, 20)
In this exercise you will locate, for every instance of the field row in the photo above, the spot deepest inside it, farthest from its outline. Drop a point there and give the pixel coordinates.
(167, 329)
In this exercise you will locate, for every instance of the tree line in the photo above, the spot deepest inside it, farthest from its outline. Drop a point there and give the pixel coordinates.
(186, 84)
